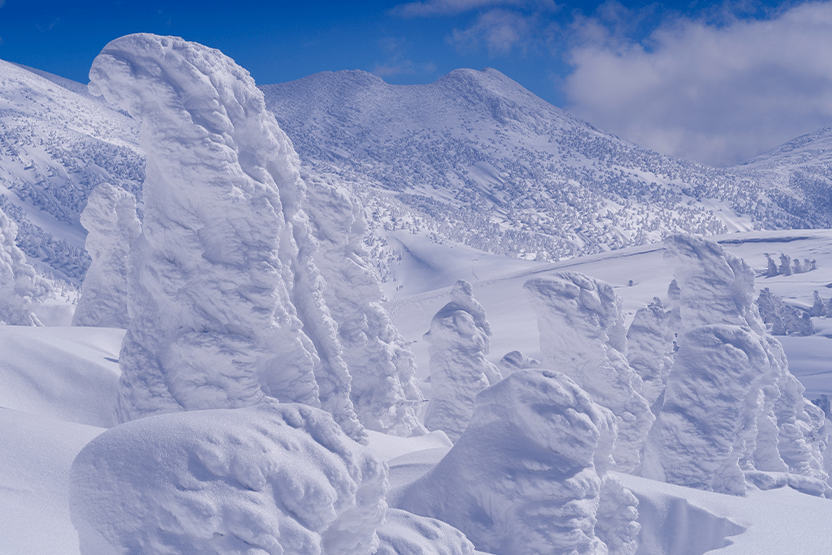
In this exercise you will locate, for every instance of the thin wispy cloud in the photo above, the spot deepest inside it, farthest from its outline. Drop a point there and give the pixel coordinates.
(431, 8)
(717, 93)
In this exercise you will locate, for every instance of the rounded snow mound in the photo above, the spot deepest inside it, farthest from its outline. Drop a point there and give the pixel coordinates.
(523, 478)
(272, 478)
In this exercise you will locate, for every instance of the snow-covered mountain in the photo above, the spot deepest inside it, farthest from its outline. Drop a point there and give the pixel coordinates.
(473, 158)
(477, 158)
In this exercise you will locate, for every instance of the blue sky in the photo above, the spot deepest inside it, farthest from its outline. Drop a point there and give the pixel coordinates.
(712, 82)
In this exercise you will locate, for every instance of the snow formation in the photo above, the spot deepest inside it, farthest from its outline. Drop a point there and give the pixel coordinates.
(274, 478)
(226, 302)
(21, 288)
(784, 319)
(459, 340)
(582, 335)
(112, 226)
(731, 409)
(384, 388)
(650, 349)
(524, 477)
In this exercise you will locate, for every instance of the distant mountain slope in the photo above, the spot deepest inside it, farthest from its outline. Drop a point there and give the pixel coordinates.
(55, 147)
(484, 161)
(472, 158)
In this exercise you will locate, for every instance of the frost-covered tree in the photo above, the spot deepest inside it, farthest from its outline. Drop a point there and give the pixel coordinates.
(650, 349)
(112, 226)
(819, 308)
(384, 389)
(785, 265)
(273, 478)
(582, 334)
(542, 495)
(459, 340)
(771, 266)
(783, 319)
(22, 289)
(226, 302)
(731, 409)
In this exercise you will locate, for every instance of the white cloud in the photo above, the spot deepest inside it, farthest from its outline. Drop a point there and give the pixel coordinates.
(716, 94)
(500, 31)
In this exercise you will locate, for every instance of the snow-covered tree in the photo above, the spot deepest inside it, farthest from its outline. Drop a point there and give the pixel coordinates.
(819, 308)
(21, 288)
(525, 477)
(226, 302)
(582, 334)
(384, 389)
(459, 340)
(112, 226)
(650, 349)
(731, 408)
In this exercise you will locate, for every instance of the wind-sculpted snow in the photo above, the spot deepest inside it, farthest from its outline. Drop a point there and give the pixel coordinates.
(275, 478)
(731, 408)
(21, 288)
(222, 276)
(783, 319)
(459, 340)
(384, 389)
(524, 477)
(582, 335)
(112, 226)
(404, 533)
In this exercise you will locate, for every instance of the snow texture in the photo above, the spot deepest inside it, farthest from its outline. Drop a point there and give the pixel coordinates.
(459, 339)
(404, 533)
(274, 478)
(515, 360)
(21, 288)
(222, 276)
(731, 408)
(384, 389)
(617, 517)
(112, 226)
(522, 479)
(582, 335)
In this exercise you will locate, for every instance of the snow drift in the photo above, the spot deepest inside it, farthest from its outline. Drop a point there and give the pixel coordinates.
(459, 340)
(582, 335)
(21, 288)
(112, 226)
(524, 477)
(275, 478)
(222, 277)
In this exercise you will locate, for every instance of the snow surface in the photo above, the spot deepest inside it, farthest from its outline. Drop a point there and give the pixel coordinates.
(276, 478)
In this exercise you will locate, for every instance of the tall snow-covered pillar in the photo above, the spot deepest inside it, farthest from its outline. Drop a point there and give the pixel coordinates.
(459, 340)
(21, 288)
(112, 226)
(224, 259)
(384, 389)
(582, 335)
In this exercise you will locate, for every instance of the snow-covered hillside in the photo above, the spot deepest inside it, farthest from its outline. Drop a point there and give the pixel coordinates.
(473, 158)
(56, 145)
(476, 158)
